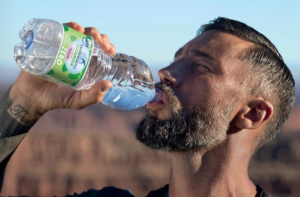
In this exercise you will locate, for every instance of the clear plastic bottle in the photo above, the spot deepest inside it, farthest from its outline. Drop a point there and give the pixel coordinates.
(42, 46)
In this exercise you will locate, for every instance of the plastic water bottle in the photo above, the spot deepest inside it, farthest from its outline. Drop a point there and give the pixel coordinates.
(69, 58)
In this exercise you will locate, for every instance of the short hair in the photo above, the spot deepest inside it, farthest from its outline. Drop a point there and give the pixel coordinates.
(269, 76)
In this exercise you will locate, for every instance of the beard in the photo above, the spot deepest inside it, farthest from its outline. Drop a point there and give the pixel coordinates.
(197, 127)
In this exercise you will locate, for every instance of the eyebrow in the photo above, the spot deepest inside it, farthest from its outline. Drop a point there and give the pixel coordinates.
(197, 53)
(179, 52)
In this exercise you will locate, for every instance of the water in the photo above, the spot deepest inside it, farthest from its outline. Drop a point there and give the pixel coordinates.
(41, 48)
(127, 98)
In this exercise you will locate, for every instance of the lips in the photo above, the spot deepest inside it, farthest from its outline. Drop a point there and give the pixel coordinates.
(161, 102)
(160, 109)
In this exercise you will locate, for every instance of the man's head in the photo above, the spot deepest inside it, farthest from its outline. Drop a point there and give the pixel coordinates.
(227, 79)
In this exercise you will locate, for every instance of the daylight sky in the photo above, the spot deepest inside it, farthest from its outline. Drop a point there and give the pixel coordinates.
(154, 30)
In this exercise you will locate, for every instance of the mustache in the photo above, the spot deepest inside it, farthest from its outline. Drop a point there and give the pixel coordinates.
(168, 91)
(163, 86)
(173, 104)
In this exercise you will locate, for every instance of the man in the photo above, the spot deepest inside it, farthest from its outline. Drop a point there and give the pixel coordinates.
(226, 94)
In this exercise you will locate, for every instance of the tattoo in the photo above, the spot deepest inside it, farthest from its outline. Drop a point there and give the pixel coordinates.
(20, 113)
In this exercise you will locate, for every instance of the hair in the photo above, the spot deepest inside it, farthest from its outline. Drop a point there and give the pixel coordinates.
(269, 77)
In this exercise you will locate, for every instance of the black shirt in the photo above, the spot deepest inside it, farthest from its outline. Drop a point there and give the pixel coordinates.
(12, 133)
(162, 192)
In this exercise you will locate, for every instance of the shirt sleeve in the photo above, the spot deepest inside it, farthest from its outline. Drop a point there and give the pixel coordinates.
(11, 134)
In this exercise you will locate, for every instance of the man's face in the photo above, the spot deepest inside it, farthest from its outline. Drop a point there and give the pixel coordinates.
(202, 88)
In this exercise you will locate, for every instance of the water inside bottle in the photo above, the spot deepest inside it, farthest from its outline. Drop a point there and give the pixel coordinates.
(128, 97)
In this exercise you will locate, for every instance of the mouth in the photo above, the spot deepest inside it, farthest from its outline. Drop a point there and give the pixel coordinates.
(166, 105)
(158, 103)
(159, 109)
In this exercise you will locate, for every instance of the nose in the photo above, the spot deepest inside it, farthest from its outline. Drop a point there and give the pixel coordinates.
(170, 76)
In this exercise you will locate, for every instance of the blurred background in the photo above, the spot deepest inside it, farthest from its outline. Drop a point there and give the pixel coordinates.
(71, 151)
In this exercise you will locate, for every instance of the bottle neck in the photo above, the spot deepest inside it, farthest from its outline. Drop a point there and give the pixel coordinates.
(158, 95)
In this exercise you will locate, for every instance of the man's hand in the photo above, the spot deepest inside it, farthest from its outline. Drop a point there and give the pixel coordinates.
(32, 96)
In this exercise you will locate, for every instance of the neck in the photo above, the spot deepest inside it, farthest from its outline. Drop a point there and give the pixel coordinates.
(221, 171)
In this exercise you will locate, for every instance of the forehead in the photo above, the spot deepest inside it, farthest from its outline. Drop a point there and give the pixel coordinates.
(216, 44)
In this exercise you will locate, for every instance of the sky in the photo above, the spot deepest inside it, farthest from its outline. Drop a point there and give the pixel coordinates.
(154, 30)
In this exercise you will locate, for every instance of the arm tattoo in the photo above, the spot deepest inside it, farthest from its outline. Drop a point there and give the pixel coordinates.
(20, 113)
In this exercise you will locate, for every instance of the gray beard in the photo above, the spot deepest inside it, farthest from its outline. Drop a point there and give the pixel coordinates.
(189, 129)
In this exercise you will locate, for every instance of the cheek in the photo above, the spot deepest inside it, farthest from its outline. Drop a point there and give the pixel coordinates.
(196, 93)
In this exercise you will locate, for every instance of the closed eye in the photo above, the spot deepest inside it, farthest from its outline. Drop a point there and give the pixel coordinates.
(201, 66)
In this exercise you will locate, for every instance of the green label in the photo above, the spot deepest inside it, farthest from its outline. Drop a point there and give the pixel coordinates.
(73, 57)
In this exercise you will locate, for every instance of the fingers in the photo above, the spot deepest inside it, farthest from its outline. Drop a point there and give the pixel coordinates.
(106, 43)
(94, 33)
(102, 39)
(94, 95)
(98, 90)
(75, 26)
(112, 49)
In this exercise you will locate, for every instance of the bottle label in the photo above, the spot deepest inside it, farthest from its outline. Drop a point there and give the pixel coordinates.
(73, 57)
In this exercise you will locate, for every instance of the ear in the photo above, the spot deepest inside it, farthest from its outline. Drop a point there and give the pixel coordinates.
(254, 114)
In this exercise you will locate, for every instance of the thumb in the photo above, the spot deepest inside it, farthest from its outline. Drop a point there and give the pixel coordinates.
(98, 90)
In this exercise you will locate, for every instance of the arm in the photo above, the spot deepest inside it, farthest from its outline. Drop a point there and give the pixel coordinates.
(11, 131)
(30, 97)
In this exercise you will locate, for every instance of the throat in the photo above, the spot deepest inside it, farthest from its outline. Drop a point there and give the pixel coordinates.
(199, 174)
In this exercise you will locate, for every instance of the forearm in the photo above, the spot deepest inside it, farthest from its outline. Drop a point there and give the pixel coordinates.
(15, 123)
